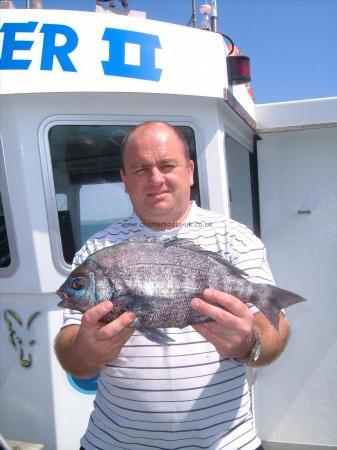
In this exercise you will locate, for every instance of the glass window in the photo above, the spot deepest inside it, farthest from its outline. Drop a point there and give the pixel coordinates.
(89, 192)
(5, 258)
(239, 169)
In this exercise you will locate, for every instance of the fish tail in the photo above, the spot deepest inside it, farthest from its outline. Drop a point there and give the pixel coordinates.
(271, 299)
(157, 336)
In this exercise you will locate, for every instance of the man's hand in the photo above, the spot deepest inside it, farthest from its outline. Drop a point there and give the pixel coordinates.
(232, 332)
(83, 350)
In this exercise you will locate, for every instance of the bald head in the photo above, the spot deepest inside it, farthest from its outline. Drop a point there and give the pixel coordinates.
(157, 173)
(154, 127)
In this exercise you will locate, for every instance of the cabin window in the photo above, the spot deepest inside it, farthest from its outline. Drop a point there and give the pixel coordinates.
(89, 193)
(242, 184)
(5, 257)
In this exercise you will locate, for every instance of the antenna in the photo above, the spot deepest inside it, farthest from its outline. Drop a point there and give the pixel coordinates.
(193, 18)
(214, 16)
(206, 10)
(210, 10)
(34, 4)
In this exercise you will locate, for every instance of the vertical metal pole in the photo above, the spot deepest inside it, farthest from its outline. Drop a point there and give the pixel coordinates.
(214, 17)
(194, 17)
(27, 4)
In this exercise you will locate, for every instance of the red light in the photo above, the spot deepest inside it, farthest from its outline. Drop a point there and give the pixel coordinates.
(238, 68)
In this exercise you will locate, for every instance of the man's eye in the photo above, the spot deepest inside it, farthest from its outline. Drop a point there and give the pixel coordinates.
(167, 168)
(19, 340)
(140, 171)
(77, 284)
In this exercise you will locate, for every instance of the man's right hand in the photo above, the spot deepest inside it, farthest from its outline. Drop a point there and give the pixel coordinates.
(83, 350)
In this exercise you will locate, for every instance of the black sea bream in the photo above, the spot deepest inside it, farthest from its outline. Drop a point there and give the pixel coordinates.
(157, 280)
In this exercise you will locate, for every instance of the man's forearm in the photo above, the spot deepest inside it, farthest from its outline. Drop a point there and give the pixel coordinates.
(70, 357)
(273, 341)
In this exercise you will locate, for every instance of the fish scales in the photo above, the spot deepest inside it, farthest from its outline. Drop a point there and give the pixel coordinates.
(174, 281)
(157, 280)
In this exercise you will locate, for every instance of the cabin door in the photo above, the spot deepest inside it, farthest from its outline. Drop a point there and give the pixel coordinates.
(296, 397)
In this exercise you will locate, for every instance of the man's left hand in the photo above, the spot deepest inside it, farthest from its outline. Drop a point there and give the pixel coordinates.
(232, 332)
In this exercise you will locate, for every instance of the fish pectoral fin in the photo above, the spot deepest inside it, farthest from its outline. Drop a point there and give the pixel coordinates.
(142, 304)
(136, 303)
(157, 336)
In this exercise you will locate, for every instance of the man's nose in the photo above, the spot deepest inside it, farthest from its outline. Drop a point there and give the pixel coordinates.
(156, 176)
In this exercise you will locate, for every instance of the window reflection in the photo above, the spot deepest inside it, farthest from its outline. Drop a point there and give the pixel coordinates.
(89, 192)
(5, 258)
(239, 180)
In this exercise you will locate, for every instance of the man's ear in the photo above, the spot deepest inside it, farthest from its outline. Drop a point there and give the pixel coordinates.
(122, 174)
(191, 171)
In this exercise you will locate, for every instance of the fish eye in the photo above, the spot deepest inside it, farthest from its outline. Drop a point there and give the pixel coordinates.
(77, 284)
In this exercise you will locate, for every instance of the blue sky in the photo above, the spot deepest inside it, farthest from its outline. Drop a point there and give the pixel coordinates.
(292, 43)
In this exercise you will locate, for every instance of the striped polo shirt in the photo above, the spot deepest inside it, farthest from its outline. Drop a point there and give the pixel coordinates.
(184, 395)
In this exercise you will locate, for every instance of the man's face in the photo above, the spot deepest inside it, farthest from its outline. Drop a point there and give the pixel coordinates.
(157, 175)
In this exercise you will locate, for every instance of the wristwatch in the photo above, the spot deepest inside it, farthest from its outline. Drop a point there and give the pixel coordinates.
(254, 353)
(256, 349)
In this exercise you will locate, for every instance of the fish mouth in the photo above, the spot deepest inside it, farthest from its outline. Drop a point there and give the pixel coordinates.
(64, 303)
(68, 302)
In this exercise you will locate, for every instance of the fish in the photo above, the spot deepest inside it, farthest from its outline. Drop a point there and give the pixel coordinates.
(156, 279)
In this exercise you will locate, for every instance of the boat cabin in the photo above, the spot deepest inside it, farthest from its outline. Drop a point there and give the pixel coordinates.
(72, 85)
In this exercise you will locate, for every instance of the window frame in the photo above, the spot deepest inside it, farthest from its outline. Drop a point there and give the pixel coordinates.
(47, 169)
(254, 177)
(8, 271)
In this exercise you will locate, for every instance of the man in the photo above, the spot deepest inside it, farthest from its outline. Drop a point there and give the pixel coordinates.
(192, 394)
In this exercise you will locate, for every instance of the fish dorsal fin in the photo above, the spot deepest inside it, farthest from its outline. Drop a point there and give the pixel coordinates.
(190, 245)
(132, 240)
(141, 240)
(181, 242)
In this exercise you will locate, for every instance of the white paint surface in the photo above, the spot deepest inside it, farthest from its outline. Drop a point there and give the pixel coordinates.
(296, 397)
(40, 398)
(193, 61)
